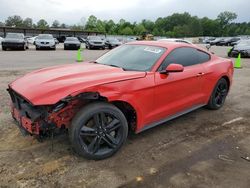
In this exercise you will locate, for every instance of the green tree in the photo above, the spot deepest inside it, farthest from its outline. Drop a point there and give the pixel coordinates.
(226, 17)
(42, 24)
(139, 29)
(14, 21)
(110, 27)
(127, 31)
(148, 25)
(77, 27)
(91, 23)
(28, 22)
(63, 25)
(55, 24)
(100, 26)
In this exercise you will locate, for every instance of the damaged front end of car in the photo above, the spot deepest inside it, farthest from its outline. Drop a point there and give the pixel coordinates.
(43, 120)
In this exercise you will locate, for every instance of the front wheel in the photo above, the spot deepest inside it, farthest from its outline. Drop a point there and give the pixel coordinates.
(98, 131)
(219, 95)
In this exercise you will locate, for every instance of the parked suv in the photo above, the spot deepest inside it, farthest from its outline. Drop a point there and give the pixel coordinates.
(14, 41)
(95, 42)
(45, 41)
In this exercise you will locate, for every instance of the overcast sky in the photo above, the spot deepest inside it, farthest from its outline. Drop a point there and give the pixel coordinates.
(71, 11)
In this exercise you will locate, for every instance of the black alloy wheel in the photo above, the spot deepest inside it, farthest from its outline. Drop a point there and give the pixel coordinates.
(98, 131)
(219, 95)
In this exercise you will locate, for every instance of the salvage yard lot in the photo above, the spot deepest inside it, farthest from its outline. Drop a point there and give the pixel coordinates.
(201, 149)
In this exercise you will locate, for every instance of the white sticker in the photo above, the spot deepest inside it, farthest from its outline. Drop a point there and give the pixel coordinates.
(153, 50)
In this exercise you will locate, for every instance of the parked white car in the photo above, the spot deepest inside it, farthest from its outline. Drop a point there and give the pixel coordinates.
(31, 40)
(175, 40)
(1, 39)
(45, 41)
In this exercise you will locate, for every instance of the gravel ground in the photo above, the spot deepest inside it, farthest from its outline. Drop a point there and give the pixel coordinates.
(201, 149)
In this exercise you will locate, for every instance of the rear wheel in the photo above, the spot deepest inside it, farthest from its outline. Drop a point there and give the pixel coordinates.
(219, 95)
(98, 131)
(4, 48)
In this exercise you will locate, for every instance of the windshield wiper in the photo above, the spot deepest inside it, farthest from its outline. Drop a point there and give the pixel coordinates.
(116, 66)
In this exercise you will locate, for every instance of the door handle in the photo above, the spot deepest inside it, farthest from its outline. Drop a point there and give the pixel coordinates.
(200, 74)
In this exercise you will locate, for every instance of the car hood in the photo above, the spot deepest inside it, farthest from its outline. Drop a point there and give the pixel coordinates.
(242, 47)
(50, 85)
(45, 40)
(14, 40)
(96, 41)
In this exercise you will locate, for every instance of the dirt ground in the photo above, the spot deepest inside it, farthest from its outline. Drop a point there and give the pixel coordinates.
(201, 149)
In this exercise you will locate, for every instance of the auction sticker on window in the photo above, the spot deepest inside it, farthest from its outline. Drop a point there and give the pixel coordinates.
(153, 50)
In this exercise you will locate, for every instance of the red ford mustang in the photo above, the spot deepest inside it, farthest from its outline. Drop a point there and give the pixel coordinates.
(134, 87)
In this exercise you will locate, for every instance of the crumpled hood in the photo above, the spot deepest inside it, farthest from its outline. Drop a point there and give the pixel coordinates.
(49, 85)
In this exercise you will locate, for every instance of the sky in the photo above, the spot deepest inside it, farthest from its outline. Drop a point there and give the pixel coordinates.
(77, 11)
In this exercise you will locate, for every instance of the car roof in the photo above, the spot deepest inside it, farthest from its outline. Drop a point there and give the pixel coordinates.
(164, 44)
(169, 45)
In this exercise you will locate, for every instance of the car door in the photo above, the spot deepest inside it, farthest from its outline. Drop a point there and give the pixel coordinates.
(178, 92)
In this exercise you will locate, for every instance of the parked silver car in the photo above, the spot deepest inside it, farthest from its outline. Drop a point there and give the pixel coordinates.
(45, 41)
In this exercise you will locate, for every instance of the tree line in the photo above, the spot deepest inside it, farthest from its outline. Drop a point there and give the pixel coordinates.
(175, 25)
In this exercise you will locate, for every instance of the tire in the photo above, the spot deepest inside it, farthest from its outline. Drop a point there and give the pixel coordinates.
(94, 140)
(4, 48)
(219, 94)
(37, 48)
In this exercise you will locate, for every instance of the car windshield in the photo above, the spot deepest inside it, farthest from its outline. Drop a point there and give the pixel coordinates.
(132, 57)
(94, 38)
(71, 39)
(113, 40)
(45, 37)
(244, 43)
(14, 36)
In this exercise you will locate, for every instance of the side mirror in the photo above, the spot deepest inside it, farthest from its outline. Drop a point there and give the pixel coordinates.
(173, 68)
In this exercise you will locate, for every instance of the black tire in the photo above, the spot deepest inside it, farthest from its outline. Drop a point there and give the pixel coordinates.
(4, 48)
(37, 48)
(94, 140)
(219, 94)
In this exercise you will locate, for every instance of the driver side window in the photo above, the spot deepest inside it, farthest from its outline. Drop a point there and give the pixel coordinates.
(185, 56)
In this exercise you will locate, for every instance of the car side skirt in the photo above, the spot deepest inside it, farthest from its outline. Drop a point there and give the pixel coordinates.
(148, 126)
